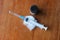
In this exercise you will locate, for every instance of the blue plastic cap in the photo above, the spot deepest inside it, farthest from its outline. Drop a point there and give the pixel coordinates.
(22, 17)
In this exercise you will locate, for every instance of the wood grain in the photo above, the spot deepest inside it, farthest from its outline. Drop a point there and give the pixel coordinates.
(12, 28)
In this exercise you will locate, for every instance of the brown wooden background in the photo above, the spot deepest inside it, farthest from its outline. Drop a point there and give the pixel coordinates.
(12, 28)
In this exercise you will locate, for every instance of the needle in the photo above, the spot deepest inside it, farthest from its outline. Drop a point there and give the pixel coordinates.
(22, 17)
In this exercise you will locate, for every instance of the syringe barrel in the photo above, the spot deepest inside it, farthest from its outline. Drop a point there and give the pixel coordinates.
(41, 26)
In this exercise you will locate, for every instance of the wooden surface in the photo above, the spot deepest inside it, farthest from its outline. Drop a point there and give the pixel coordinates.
(12, 28)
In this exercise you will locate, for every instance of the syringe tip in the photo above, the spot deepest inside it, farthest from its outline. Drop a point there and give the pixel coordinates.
(9, 11)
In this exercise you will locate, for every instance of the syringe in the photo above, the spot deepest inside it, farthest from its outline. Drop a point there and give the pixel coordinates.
(29, 21)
